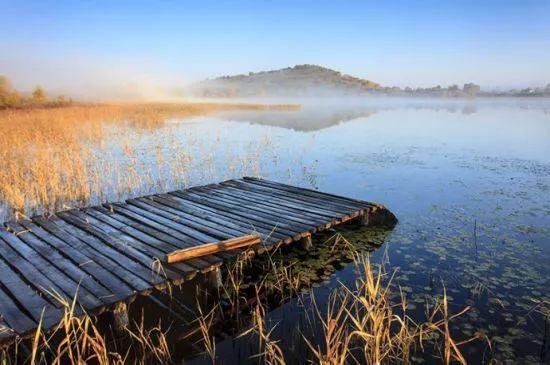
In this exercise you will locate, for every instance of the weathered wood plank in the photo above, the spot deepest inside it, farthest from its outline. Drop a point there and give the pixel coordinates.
(33, 304)
(196, 216)
(246, 223)
(43, 276)
(283, 206)
(116, 288)
(125, 244)
(172, 228)
(150, 235)
(135, 262)
(78, 278)
(256, 214)
(117, 264)
(325, 207)
(309, 192)
(305, 223)
(210, 248)
(17, 321)
(186, 220)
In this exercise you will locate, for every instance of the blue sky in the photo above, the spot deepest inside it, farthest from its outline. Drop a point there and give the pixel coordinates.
(72, 44)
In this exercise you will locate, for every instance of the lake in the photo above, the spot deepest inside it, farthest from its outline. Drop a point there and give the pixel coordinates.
(469, 181)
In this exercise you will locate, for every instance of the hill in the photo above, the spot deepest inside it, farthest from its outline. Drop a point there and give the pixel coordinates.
(300, 80)
(314, 80)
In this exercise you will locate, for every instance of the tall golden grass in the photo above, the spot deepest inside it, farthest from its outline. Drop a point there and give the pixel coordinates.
(50, 156)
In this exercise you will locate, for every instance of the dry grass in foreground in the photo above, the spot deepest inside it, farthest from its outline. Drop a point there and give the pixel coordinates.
(358, 324)
(50, 157)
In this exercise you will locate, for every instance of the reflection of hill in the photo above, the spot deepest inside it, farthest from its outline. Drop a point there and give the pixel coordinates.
(315, 114)
(305, 119)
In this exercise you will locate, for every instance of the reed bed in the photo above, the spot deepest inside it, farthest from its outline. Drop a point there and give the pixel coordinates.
(359, 324)
(55, 158)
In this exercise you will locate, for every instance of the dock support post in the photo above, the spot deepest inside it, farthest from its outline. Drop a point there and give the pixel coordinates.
(120, 318)
(306, 242)
(214, 278)
(364, 219)
(379, 216)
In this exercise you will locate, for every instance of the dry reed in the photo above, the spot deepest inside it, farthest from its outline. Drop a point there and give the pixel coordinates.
(56, 157)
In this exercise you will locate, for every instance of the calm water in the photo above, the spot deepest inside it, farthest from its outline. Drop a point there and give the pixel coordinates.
(443, 168)
(468, 180)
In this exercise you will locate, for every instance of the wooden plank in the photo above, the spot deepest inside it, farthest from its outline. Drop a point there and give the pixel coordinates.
(198, 216)
(171, 228)
(149, 250)
(284, 206)
(304, 224)
(285, 215)
(17, 321)
(165, 201)
(210, 248)
(198, 236)
(134, 261)
(27, 299)
(310, 192)
(326, 207)
(255, 226)
(181, 239)
(43, 276)
(123, 243)
(184, 218)
(116, 288)
(323, 210)
(60, 263)
(177, 231)
(296, 195)
(255, 214)
(24, 268)
(129, 228)
(143, 233)
(6, 332)
(115, 263)
(153, 236)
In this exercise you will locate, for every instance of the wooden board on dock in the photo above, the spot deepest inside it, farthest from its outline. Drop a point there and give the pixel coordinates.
(212, 248)
(106, 255)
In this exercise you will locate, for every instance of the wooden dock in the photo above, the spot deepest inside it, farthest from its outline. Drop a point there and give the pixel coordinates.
(106, 255)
